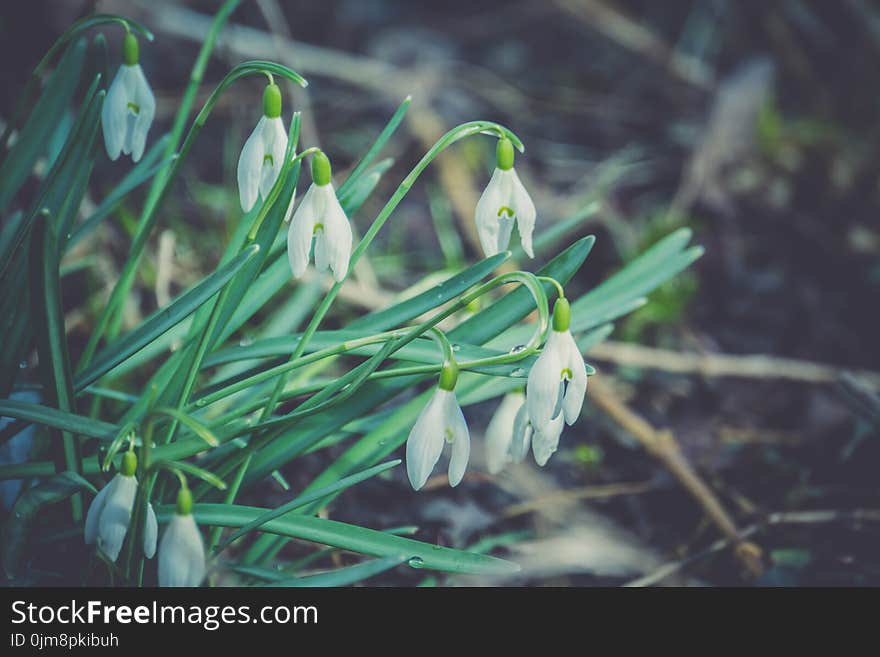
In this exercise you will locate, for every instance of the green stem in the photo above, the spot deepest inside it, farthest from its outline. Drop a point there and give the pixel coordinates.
(289, 366)
(457, 133)
(560, 291)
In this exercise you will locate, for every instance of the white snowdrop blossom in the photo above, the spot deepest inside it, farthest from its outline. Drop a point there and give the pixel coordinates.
(129, 107)
(557, 381)
(262, 157)
(545, 441)
(109, 515)
(182, 551)
(440, 422)
(321, 218)
(504, 202)
(508, 433)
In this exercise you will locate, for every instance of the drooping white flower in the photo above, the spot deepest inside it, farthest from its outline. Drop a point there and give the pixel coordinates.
(262, 157)
(109, 515)
(129, 107)
(182, 551)
(557, 381)
(508, 434)
(320, 217)
(546, 440)
(504, 202)
(440, 422)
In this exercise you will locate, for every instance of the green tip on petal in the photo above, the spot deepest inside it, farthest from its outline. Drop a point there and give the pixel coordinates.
(449, 376)
(561, 315)
(272, 101)
(321, 169)
(129, 464)
(504, 154)
(184, 502)
(130, 49)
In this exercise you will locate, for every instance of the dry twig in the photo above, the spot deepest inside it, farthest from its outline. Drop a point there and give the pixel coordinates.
(664, 447)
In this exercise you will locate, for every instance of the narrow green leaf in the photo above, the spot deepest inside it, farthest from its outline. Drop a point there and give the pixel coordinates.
(302, 500)
(52, 417)
(197, 427)
(34, 136)
(141, 173)
(374, 150)
(193, 470)
(32, 501)
(48, 319)
(343, 576)
(352, 537)
(162, 320)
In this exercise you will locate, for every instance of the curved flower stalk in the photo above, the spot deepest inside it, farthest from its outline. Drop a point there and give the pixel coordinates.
(262, 157)
(109, 515)
(182, 551)
(440, 422)
(504, 202)
(129, 107)
(319, 216)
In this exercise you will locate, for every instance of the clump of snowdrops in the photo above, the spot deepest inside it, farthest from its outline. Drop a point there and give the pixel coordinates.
(158, 469)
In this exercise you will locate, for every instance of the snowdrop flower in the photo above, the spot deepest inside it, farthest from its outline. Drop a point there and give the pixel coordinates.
(320, 216)
(510, 432)
(504, 201)
(262, 157)
(129, 106)
(109, 515)
(441, 421)
(557, 382)
(182, 552)
(546, 440)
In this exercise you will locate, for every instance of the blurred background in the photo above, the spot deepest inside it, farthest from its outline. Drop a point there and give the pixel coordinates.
(731, 434)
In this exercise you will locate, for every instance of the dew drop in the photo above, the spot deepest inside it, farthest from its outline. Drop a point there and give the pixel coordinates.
(518, 372)
(22, 365)
(518, 349)
(245, 342)
(456, 347)
(416, 562)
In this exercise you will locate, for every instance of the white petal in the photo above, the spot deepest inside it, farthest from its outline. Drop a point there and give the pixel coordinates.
(250, 164)
(522, 204)
(181, 553)
(116, 516)
(546, 439)
(274, 144)
(93, 517)
(456, 426)
(425, 442)
(299, 235)
(542, 388)
(522, 435)
(151, 532)
(486, 214)
(577, 385)
(146, 102)
(113, 114)
(499, 433)
(337, 233)
(321, 261)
